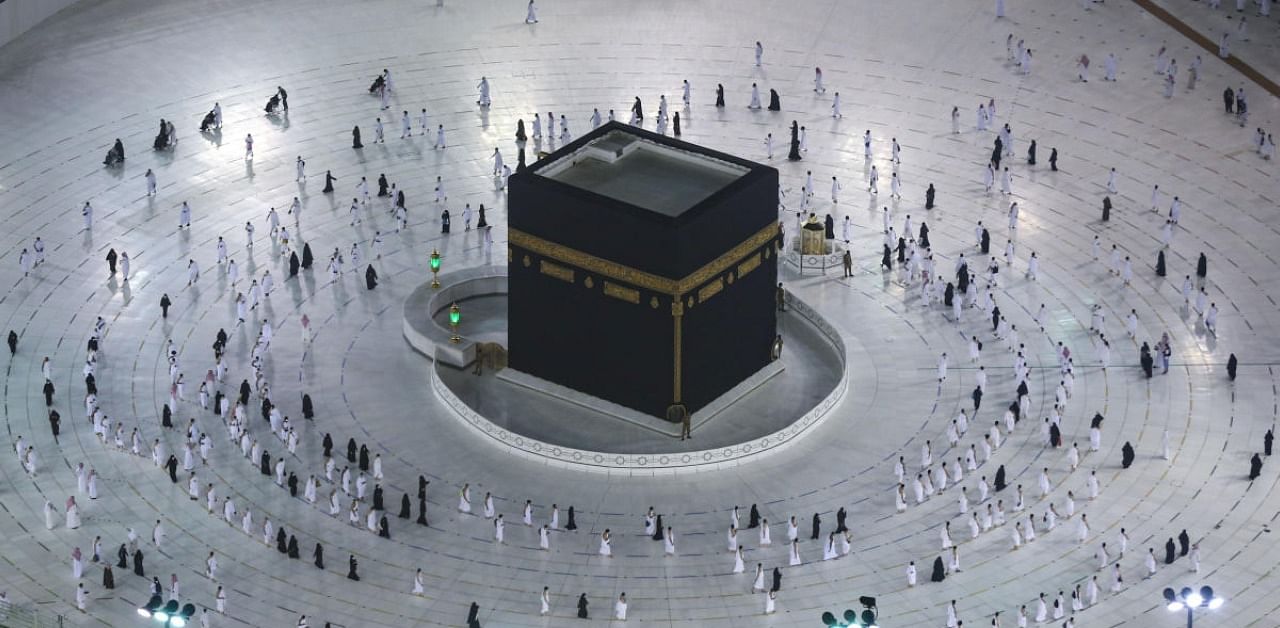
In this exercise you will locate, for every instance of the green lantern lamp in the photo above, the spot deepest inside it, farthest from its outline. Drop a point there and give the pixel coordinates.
(435, 269)
(455, 317)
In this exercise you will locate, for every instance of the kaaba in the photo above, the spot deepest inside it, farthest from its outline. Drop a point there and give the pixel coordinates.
(642, 270)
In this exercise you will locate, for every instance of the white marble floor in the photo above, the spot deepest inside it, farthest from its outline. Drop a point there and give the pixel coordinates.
(112, 68)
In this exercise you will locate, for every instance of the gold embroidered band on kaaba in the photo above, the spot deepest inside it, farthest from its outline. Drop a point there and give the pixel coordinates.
(640, 278)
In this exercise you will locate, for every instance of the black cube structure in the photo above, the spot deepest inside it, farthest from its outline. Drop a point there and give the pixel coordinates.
(642, 269)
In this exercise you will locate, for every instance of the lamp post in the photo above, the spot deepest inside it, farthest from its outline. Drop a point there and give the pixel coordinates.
(455, 317)
(435, 269)
(168, 614)
(853, 619)
(1191, 599)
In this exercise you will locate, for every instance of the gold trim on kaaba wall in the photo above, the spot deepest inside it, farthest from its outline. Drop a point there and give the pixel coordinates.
(635, 276)
(711, 289)
(630, 295)
(552, 269)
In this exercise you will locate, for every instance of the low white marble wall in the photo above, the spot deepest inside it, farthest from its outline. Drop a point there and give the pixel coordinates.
(20, 16)
(432, 340)
(660, 464)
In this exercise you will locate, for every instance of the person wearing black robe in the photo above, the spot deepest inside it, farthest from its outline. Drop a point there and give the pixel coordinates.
(1169, 552)
(949, 294)
(483, 222)
(172, 466)
(351, 568)
(1228, 99)
(13, 342)
(1146, 360)
(774, 103)
(939, 572)
(675, 124)
(997, 152)
(520, 163)
(638, 110)
(924, 235)
(266, 409)
(1231, 367)
(995, 324)
(1055, 436)
(753, 519)
(840, 517)
(364, 458)
(1160, 270)
(571, 525)
(382, 186)
(582, 606)
(817, 527)
(473, 616)
(400, 199)
(55, 422)
(370, 277)
(422, 511)
(1255, 467)
(1184, 540)
(777, 580)
(1126, 455)
(245, 390)
(123, 563)
(520, 135)
(985, 241)
(328, 182)
(962, 279)
(977, 398)
(282, 541)
(307, 259)
(377, 497)
(351, 450)
(830, 225)
(1106, 208)
(164, 305)
(444, 221)
(137, 564)
(422, 487)
(1202, 266)
(293, 547)
(1053, 159)
(719, 95)
(108, 578)
(48, 393)
(406, 510)
(293, 485)
(794, 153)
(1031, 154)
(928, 197)
(886, 257)
(902, 250)
(162, 138)
(319, 556)
(384, 529)
(1017, 412)
(1000, 485)
(659, 532)
(355, 137)
(266, 463)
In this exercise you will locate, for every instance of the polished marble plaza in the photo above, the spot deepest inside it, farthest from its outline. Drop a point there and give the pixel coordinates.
(108, 69)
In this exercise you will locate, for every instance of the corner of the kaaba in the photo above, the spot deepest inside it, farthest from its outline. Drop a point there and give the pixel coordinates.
(631, 305)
